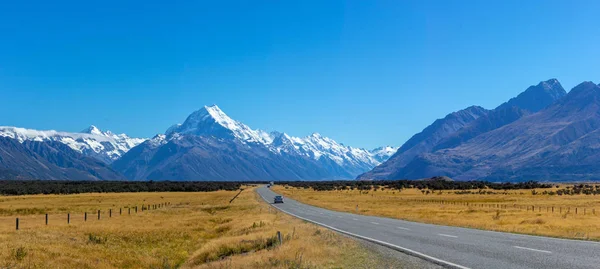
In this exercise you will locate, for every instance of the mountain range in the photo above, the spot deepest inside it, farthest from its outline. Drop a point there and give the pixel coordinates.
(91, 142)
(212, 146)
(542, 134)
(209, 145)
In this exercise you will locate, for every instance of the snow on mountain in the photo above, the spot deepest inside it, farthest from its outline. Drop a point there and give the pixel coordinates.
(212, 121)
(381, 154)
(92, 141)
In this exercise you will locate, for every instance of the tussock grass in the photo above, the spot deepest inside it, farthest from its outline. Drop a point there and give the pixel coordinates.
(510, 216)
(198, 230)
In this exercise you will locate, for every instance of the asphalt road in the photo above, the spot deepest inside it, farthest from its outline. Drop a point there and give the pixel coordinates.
(451, 246)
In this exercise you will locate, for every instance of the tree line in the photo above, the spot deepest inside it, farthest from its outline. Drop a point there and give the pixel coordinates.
(419, 184)
(23, 187)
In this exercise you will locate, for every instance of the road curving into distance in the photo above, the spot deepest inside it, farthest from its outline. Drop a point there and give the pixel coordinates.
(452, 247)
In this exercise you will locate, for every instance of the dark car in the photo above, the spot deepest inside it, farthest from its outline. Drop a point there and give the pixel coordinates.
(278, 199)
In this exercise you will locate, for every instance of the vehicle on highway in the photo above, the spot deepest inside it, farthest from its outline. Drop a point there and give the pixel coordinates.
(278, 199)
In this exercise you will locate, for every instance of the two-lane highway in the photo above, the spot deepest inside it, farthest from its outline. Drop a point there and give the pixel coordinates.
(451, 246)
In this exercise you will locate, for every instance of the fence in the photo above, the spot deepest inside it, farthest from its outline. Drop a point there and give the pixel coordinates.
(144, 207)
(530, 208)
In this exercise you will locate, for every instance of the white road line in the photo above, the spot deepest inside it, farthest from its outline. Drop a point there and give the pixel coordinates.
(321, 213)
(355, 219)
(533, 249)
(375, 223)
(396, 247)
(402, 228)
(447, 235)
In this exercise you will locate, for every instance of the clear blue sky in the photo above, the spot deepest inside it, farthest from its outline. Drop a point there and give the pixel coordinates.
(362, 72)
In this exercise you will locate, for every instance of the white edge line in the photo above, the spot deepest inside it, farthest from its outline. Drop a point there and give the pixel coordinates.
(447, 235)
(533, 249)
(386, 244)
(402, 228)
(375, 223)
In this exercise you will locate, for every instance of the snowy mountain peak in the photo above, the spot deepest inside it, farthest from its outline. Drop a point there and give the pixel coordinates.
(381, 154)
(212, 121)
(92, 130)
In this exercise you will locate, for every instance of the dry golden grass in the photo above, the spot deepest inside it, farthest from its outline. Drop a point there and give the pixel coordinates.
(198, 230)
(502, 211)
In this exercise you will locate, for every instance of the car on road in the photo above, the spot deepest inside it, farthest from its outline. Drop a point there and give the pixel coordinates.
(278, 199)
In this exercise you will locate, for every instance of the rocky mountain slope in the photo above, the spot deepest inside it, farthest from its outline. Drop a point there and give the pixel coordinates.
(425, 141)
(560, 142)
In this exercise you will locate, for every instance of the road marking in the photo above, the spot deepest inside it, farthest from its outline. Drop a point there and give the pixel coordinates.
(354, 219)
(375, 223)
(447, 235)
(321, 213)
(396, 247)
(533, 249)
(402, 228)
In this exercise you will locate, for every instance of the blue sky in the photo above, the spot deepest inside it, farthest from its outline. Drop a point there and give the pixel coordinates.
(365, 73)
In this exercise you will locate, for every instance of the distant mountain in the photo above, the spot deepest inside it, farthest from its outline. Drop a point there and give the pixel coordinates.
(92, 142)
(209, 145)
(560, 142)
(49, 160)
(425, 141)
(382, 154)
(538, 97)
(192, 157)
(530, 101)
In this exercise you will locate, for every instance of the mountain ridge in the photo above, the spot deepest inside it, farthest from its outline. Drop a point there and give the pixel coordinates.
(280, 155)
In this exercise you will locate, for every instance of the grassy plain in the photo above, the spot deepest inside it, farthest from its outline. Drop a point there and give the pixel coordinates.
(197, 230)
(517, 211)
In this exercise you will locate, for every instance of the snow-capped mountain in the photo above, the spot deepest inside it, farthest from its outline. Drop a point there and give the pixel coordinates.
(211, 120)
(92, 141)
(340, 160)
(381, 154)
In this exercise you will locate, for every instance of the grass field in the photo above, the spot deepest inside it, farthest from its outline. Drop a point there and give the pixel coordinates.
(518, 211)
(197, 230)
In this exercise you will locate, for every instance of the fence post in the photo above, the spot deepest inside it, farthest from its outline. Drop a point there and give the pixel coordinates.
(17, 223)
(98, 214)
(68, 218)
(120, 211)
(129, 210)
(85, 216)
(136, 209)
(278, 235)
(110, 213)
(46, 218)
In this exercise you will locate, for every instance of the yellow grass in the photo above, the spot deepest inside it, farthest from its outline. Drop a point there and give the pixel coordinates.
(198, 230)
(502, 211)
